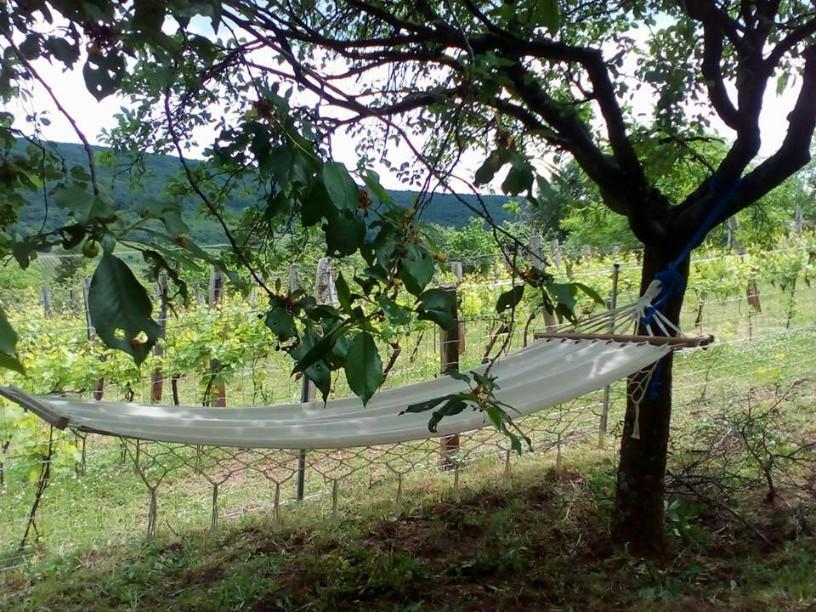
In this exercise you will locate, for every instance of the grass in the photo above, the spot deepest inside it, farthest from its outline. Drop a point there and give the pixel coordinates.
(535, 540)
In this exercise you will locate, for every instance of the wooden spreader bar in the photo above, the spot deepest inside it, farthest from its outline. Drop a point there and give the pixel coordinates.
(674, 341)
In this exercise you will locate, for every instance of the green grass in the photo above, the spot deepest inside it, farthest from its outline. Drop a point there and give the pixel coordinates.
(535, 540)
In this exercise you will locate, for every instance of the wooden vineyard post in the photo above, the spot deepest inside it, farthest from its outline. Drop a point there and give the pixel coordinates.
(218, 392)
(91, 332)
(556, 253)
(45, 299)
(458, 272)
(307, 393)
(538, 262)
(157, 376)
(603, 425)
(449, 345)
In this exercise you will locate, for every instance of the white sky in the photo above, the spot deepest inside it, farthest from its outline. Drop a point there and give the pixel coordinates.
(93, 116)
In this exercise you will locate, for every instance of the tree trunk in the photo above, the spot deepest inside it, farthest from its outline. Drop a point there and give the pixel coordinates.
(637, 519)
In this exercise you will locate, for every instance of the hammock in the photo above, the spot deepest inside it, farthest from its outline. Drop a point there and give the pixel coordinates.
(555, 369)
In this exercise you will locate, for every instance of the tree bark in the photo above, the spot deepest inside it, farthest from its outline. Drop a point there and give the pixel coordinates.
(637, 519)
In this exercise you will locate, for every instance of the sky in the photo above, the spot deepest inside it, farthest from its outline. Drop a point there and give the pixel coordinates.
(93, 116)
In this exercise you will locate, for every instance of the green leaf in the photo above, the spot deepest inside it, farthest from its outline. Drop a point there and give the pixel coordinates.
(7, 362)
(8, 337)
(372, 181)
(62, 50)
(316, 205)
(438, 305)
(344, 234)
(549, 15)
(342, 189)
(395, 313)
(120, 309)
(148, 15)
(563, 293)
(317, 350)
(427, 404)
(451, 407)
(281, 322)
(317, 370)
(416, 269)
(343, 292)
(520, 176)
(509, 299)
(589, 291)
(491, 165)
(83, 205)
(364, 369)
(8, 346)
(103, 72)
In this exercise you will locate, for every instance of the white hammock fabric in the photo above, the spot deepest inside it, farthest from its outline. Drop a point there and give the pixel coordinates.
(544, 374)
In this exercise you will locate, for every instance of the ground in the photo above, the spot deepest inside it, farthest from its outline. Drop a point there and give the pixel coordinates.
(537, 539)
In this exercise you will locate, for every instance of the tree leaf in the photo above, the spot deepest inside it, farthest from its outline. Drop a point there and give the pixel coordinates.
(310, 352)
(8, 346)
(395, 313)
(343, 292)
(103, 72)
(549, 15)
(342, 189)
(316, 205)
(120, 309)
(372, 181)
(8, 337)
(364, 369)
(416, 269)
(520, 176)
(589, 291)
(451, 407)
(491, 166)
(344, 234)
(312, 355)
(426, 405)
(281, 322)
(438, 305)
(509, 299)
(7, 362)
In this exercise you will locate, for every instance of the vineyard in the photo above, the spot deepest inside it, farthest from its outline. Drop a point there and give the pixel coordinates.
(60, 491)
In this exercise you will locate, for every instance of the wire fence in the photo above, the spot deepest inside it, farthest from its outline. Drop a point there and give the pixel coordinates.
(94, 490)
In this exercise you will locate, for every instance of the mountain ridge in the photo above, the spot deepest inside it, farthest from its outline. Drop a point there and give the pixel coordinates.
(114, 175)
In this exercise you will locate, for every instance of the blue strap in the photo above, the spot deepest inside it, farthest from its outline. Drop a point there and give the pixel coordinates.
(672, 282)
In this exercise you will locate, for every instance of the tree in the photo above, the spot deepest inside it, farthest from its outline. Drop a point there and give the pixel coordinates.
(541, 79)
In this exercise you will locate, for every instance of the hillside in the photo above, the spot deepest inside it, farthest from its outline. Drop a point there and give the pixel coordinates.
(129, 187)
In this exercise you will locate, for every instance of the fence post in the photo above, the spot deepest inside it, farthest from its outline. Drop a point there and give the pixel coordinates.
(218, 392)
(157, 376)
(325, 290)
(45, 299)
(537, 261)
(449, 345)
(91, 332)
(556, 249)
(307, 389)
(603, 426)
